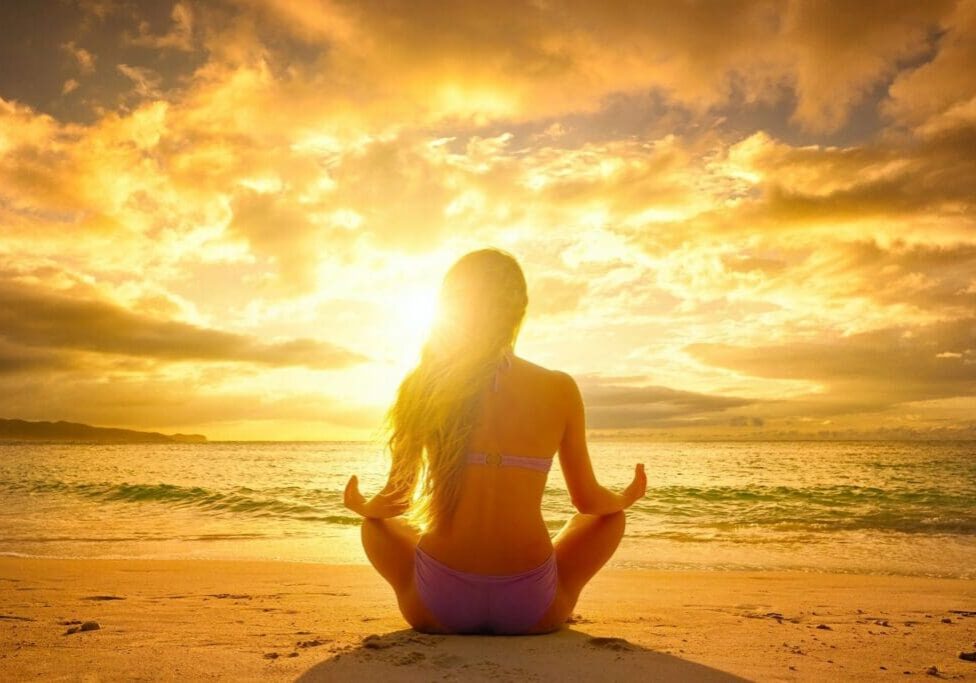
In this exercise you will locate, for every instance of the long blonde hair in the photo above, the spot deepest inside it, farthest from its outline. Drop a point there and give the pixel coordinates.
(482, 303)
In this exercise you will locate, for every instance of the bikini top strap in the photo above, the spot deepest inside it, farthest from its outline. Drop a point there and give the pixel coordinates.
(504, 460)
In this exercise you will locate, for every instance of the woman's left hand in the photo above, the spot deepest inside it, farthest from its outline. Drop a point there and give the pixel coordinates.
(352, 498)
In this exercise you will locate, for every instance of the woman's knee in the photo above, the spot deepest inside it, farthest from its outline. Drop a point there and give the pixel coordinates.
(369, 528)
(383, 531)
(612, 528)
(617, 521)
(612, 524)
(369, 533)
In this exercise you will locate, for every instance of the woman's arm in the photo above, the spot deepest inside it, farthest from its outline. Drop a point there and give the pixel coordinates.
(389, 502)
(588, 496)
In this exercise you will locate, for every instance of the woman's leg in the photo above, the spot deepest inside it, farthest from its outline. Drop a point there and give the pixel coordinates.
(391, 545)
(582, 547)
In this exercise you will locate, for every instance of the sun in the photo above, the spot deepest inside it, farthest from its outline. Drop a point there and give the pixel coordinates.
(413, 312)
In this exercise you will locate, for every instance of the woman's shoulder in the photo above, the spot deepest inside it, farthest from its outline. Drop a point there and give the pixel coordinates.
(556, 380)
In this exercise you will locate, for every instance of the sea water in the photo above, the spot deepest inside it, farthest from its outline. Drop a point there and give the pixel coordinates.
(862, 507)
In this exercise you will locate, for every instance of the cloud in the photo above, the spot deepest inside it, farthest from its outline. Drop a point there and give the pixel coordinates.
(275, 225)
(99, 9)
(924, 92)
(75, 180)
(553, 295)
(840, 53)
(84, 60)
(179, 37)
(618, 406)
(880, 368)
(399, 187)
(526, 59)
(145, 81)
(18, 359)
(937, 279)
(260, 116)
(32, 317)
(816, 184)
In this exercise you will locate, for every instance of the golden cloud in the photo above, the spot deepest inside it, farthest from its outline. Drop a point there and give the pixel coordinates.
(34, 318)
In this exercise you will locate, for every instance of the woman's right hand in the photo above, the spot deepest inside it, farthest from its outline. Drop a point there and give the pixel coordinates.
(637, 488)
(352, 498)
(381, 506)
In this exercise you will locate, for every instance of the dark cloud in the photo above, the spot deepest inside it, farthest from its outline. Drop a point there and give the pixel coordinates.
(742, 421)
(930, 276)
(20, 359)
(47, 43)
(875, 369)
(617, 406)
(896, 179)
(33, 317)
(919, 95)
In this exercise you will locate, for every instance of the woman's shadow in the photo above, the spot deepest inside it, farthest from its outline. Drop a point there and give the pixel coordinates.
(565, 655)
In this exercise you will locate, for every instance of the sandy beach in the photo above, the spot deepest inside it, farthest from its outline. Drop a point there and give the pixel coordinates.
(197, 619)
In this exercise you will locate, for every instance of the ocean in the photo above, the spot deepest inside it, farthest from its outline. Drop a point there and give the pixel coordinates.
(859, 507)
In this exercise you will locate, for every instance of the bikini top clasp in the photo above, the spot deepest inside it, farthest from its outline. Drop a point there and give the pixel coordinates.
(493, 458)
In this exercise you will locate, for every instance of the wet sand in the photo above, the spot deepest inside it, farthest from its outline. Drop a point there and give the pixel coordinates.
(168, 620)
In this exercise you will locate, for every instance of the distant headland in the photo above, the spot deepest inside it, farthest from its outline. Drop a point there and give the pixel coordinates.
(23, 430)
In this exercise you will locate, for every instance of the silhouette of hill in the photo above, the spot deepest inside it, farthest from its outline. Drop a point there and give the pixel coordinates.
(23, 430)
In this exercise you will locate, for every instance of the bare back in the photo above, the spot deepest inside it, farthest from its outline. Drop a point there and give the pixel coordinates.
(497, 527)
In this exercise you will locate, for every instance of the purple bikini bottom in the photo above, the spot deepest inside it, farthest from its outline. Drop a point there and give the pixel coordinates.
(485, 603)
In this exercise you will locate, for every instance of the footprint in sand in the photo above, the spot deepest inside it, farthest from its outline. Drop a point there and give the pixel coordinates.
(607, 643)
(410, 658)
(376, 642)
(85, 626)
(231, 596)
(447, 661)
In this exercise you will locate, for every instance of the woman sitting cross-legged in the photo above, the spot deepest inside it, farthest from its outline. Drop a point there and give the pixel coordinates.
(474, 430)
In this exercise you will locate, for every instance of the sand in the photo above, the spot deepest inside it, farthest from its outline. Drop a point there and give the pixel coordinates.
(201, 619)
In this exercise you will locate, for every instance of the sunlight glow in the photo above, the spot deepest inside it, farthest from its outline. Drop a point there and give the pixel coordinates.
(412, 313)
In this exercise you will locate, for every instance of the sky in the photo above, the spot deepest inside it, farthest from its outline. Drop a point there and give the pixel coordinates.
(737, 219)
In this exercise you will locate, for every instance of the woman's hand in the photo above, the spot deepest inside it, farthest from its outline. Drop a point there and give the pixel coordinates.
(637, 488)
(381, 506)
(352, 498)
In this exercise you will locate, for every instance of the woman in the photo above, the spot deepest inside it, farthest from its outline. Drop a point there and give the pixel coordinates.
(477, 428)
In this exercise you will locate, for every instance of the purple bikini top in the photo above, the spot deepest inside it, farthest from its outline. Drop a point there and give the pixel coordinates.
(502, 460)
(499, 459)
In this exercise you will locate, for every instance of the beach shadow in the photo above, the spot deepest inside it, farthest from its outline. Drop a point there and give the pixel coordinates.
(566, 655)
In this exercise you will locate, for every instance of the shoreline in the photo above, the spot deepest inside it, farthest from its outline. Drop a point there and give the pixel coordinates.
(245, 619)
(612, 566)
